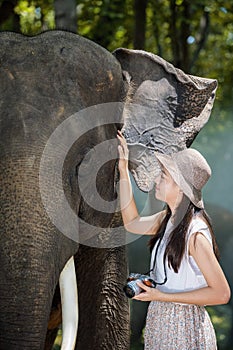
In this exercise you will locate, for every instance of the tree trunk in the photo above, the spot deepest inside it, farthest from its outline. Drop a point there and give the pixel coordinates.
(65, 15)
(174, 35)
(179, 33)
(7, 11)
(201, 37)
(184, 34)
(140, 24)
(156, 29)
(109, 19)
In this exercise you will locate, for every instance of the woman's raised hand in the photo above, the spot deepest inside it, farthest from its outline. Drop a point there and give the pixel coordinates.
(123, 152)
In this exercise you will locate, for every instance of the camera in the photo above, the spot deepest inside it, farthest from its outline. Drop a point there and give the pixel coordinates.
(131, 288)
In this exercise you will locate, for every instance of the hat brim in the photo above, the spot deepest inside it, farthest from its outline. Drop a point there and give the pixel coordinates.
(191, 192)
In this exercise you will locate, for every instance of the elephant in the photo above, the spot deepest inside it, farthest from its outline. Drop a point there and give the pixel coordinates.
(52, 86)
(41, 86)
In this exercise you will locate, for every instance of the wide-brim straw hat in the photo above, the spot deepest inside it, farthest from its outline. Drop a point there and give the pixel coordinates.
(190, 171)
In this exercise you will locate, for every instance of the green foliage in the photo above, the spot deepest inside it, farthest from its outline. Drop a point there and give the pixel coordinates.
(58, 340)
(158, 39)
(109, 23)
(35, 16)
(221, 319)
(215, 60)
(112, 25)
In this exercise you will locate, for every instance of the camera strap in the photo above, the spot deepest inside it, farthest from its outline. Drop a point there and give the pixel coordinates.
(154, 263)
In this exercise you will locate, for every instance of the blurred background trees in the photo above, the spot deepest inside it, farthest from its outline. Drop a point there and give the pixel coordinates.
(196, 36)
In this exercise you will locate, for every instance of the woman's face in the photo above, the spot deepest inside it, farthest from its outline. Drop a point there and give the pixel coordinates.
(166, 189)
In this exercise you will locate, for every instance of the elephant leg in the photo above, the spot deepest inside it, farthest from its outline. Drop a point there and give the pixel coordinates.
(26, 292)
(104, 311)
(23, 324)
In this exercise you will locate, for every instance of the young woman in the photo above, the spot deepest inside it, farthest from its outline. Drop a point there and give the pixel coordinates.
(184, 255)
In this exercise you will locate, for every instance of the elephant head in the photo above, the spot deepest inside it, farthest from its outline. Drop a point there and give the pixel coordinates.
(167, 108)
(61, 96)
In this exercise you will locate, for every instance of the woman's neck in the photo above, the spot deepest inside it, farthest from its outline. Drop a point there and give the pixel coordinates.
(179, 209)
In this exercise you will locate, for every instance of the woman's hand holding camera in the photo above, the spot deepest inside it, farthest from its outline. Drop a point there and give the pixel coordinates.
(149, 294)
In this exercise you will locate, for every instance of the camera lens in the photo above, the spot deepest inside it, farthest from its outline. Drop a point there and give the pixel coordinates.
(131, 289)
(129, 292)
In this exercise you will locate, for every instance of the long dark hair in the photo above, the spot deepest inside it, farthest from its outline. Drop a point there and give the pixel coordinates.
(175, 249)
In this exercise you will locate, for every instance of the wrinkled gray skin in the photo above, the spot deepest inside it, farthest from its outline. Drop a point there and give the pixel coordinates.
(44, 80)
(167, 110)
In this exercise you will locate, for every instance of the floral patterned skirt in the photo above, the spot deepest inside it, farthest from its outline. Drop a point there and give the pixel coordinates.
(171, 326)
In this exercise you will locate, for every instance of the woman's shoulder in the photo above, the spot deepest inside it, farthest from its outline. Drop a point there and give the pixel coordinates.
(198, 221)
(198, 224)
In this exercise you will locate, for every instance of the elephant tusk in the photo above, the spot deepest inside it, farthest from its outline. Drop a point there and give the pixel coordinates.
(69, 302)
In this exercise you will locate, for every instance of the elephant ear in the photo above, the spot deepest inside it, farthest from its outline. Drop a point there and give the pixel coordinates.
(164, 111)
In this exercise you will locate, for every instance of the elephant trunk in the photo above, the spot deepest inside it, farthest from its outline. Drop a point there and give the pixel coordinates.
(69, 301)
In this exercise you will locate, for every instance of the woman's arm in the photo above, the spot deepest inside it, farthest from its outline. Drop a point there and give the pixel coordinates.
(217, 292)
(132, 220)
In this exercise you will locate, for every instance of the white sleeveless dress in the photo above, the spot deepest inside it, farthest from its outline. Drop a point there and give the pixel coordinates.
(174, 326)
